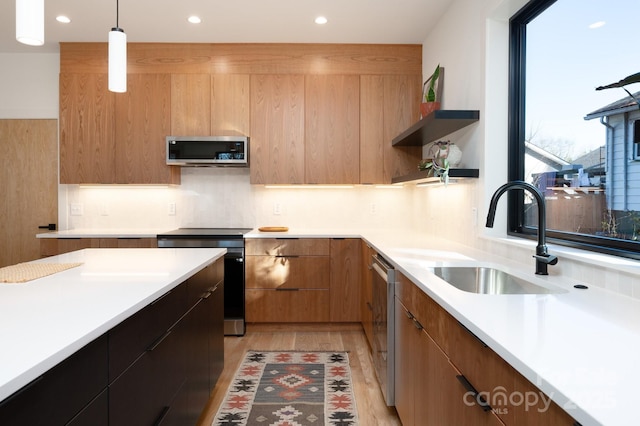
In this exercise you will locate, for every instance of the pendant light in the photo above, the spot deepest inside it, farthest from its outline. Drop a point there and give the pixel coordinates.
(117, 57)
(30, 22)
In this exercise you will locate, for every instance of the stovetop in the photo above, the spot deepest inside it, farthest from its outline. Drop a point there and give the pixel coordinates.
(206, 233)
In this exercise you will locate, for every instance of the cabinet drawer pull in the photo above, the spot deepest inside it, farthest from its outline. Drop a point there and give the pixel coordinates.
(160, 340)
(417, 324)
(286, 256)
(484, 345)
(409, 315)
(369, 307)
(469, 387)
(162, 416)
(287, 289)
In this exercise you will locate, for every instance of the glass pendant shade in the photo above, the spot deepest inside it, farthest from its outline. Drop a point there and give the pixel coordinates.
(30, 22)
(117, 60)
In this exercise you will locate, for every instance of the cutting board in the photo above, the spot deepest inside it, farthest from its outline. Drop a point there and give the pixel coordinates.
(273, 229)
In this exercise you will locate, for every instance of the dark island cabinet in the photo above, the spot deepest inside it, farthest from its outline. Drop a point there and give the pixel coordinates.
(157, 367)
(59, 395)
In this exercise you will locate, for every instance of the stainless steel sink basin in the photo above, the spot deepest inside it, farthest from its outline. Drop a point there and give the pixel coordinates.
(482, 280)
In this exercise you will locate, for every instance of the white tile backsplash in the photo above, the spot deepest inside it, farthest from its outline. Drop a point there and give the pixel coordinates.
(223, 197)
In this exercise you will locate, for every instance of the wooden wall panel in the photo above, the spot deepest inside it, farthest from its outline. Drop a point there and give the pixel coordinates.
(29, 195)
(256, 58)
(332, 129)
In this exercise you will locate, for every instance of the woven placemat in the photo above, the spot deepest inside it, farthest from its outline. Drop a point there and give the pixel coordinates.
(23, 272)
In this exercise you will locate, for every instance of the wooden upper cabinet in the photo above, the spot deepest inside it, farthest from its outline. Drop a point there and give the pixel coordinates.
(372, 129)
(388, 105)
(332, 129)
(190, 104)
(277, 143)
(143, 120)
(230, 112)
(402, 95)
(87, 143)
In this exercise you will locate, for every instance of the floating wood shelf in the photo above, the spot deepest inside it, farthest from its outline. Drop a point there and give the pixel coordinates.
(436, 125)
(422, 176)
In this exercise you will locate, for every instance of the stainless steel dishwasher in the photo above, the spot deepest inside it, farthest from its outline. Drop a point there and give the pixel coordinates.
(384, 278)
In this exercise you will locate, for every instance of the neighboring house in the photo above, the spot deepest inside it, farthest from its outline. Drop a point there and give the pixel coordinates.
(622, 120)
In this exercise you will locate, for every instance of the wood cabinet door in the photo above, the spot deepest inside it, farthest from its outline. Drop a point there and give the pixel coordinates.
(402, 94)
(372, 129)
(190, 104)
(87, 122)
(143, 120)
(288, 247)
(332, 129)
(287, 272)
(277, 142)
(366, 299)
(287, 306)
(345, 280)
(230, 100)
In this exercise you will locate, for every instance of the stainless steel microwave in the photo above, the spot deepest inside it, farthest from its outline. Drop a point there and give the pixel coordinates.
(208, 151)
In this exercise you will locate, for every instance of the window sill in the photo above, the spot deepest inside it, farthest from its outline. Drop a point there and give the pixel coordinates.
(622, 264)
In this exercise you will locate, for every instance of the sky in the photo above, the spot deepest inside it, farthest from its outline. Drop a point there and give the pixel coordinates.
(573, 47)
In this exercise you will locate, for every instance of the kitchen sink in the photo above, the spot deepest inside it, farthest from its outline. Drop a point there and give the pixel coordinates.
(484, 280)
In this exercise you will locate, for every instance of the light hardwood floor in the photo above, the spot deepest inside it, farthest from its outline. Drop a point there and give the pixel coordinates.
(372, 409)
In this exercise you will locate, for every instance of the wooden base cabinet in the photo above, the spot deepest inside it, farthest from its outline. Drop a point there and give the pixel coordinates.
(366, 299)
(441, 367)
(287, 279)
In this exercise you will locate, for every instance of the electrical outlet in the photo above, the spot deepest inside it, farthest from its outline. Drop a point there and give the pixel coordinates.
(277, 209)
(76, 209)
(171, 209)
(474, 216)
(373, 208)
(104, 209)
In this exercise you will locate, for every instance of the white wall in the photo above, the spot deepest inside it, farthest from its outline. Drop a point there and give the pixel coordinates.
(471, 42)
(29, 85)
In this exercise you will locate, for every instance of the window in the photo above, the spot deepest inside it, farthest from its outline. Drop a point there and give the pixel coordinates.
(578, 145)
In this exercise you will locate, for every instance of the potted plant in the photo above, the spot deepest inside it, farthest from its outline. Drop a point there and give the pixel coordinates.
(431, 91)
(438, 165)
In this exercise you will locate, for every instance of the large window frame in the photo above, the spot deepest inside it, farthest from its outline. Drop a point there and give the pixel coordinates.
(516, 158)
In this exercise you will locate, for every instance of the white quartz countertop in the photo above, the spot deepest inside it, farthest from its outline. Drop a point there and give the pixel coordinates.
(581, 347)
(44, 321)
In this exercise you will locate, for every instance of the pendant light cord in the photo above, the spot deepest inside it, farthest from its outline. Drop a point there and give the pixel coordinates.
(117, 13)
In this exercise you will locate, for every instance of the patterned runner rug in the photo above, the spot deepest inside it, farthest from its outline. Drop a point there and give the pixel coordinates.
(290, 389)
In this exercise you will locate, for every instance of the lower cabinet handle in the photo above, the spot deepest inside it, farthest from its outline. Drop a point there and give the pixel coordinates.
(417, 324)
(469, 387)
(287, 289)
(369, 306)
(162, 416)
(287, 256)
(157, 342)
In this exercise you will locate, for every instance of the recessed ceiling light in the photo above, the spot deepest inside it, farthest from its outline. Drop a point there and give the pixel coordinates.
(194, 19)
(597, 25)
(63, 19)
(321, 20)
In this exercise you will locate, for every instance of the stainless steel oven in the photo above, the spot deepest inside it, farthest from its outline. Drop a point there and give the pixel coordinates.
(384, 278)
(234, 274)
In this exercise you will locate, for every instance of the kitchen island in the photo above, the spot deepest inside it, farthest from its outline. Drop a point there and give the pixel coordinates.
(46, 321)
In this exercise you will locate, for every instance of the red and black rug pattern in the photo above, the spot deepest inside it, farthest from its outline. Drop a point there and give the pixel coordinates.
(290, 389)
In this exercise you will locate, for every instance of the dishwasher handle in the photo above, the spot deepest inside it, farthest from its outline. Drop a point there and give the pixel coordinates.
(381, 266)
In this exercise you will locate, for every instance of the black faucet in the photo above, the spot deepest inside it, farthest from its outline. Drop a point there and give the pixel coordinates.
(543, 258)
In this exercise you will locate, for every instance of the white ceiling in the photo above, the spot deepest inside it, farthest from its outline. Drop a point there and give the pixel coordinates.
(231, 21)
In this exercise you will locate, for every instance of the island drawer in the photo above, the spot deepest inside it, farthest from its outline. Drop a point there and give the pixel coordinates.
(132, 337)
